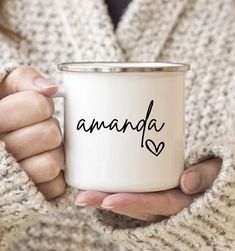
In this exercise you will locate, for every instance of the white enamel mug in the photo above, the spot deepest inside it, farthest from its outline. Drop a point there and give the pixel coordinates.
(124, 125)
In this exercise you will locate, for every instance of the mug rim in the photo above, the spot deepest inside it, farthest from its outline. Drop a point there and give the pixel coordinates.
(118, 66)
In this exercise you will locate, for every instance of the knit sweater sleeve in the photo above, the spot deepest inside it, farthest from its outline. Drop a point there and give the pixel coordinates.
(207, 224)
(20, 201)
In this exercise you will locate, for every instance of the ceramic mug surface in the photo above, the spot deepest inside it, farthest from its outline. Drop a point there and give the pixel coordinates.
(124, 125)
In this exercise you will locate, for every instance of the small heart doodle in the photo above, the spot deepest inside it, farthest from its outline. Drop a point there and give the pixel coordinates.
(156, 150)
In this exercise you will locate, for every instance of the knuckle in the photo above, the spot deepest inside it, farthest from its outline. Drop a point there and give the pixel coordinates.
(56, 121)
(59, 187)
(54, 133)
(52, 167)
(43, 105)
(22, 70)
(53, 188)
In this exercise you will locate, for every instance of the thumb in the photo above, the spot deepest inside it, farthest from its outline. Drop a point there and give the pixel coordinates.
(26, 78)
(200, 177)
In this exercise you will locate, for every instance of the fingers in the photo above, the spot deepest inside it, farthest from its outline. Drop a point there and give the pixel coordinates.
(148, 206)
(45, 166)
(85, 198)
(45, 171)
(34, 139)
(53, 188)
(23, 109)
(200, 177)
(26, 78)
(160, 203)
(95, 198)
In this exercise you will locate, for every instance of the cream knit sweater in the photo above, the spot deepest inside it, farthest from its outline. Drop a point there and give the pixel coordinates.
(201, 33)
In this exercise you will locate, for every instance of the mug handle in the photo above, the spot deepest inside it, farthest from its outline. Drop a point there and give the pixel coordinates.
(60, 94)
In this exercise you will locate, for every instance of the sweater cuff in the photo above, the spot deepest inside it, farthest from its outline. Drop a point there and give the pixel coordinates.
(208, 222)
(5, 69)
(17, 191)
(19, 198)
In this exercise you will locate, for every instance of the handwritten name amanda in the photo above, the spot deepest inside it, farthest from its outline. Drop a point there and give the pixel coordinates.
(141, 126)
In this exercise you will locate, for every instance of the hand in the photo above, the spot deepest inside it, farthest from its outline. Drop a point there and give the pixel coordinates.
(30, 133)
(149, 206)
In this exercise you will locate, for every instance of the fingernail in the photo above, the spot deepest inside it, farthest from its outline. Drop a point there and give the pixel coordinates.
(80, 202)
(191, 181)
(42, 82)
(107, 206)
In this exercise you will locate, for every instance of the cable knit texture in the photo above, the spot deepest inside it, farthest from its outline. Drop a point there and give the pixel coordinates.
(200, 33)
